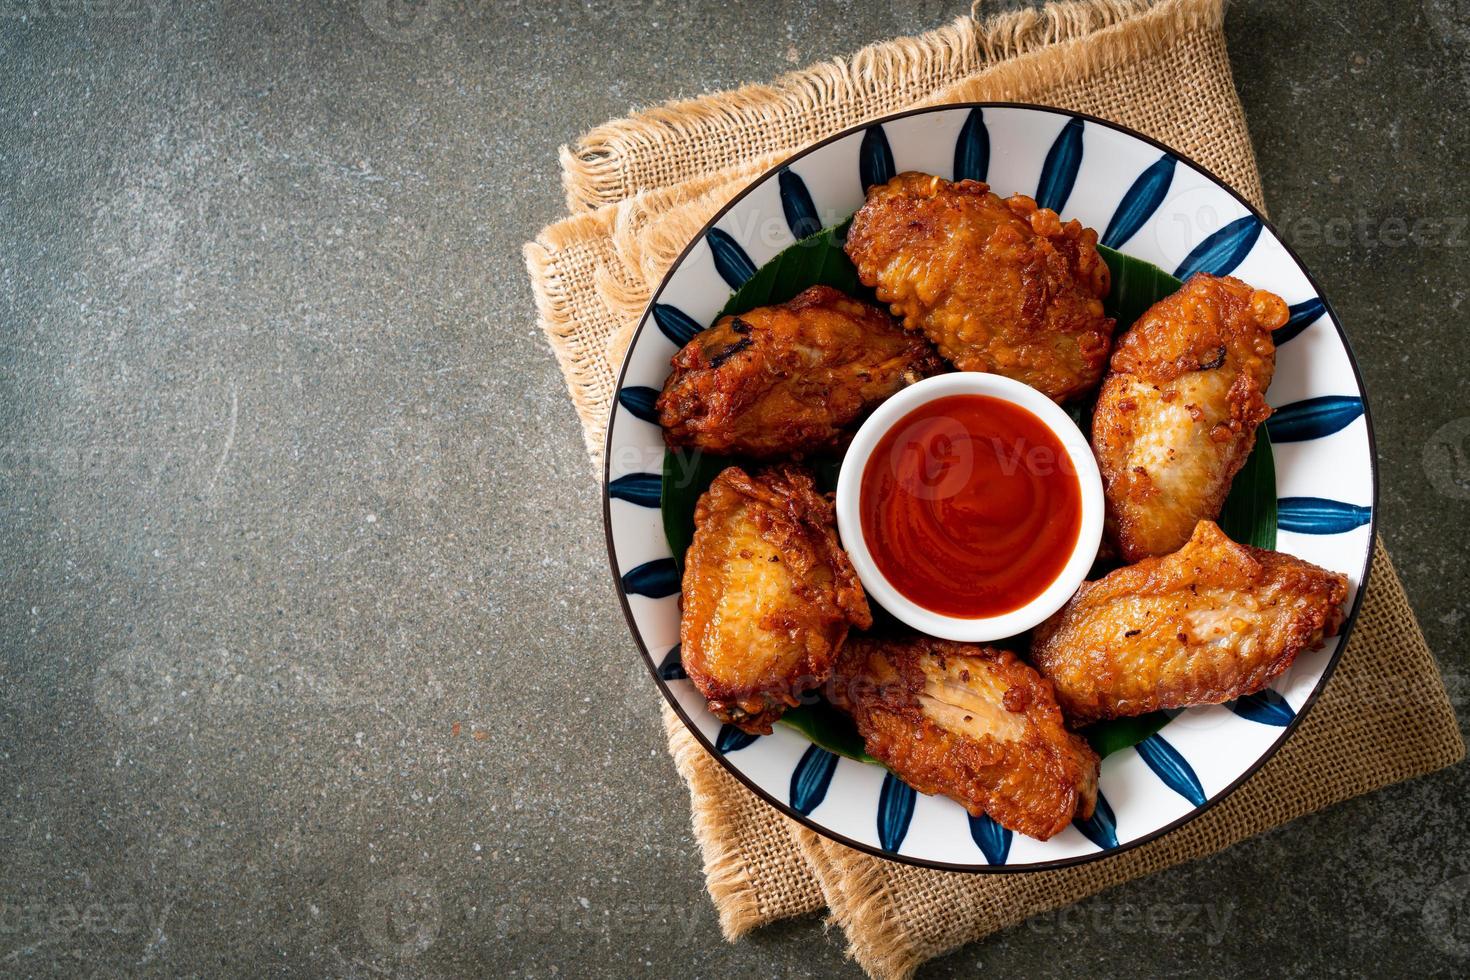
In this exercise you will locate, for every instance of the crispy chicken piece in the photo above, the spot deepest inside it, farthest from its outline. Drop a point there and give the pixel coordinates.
(769, 595)
(1177, 415)
(998, 285)
(973, 723)
(1209, 623)
(789, 379)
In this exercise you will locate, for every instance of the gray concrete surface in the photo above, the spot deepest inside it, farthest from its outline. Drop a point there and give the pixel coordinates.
(311, 661)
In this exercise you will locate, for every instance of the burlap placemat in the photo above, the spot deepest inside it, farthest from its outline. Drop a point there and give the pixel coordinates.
(640, 188)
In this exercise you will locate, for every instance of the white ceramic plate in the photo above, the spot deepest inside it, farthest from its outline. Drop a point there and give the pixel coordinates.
(1146, 201)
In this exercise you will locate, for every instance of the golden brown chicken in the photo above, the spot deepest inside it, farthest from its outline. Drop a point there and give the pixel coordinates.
(769, 595)
(788, 379)
(998, 285)
(973, 723)
(1177, 415)
(1209, 623)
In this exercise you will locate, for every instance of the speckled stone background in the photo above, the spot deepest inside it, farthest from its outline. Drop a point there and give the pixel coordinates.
(311, 661)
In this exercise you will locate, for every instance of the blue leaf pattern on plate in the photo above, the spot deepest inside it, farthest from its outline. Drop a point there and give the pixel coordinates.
(654, 579)
(1172, 768)
(731, 262)
(1102, 827)
(797, 205)
(643, 489)
(1059, 172)
(810, 780)
(895, 810)
(1221, 252)
(1323, 391)
(640, 402)
(1141, 201)
(993, 840)
(1303, 315)
(972, 149)
(1313, 418)
(675, 324)
(1316, 515)
(1265, 707)
(875, 159)
(672, 669)
(731, 739)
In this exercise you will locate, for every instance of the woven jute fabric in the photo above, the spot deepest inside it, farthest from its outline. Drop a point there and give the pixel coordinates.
(640, 188)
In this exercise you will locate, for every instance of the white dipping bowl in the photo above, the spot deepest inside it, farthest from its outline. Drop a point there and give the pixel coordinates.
(849, 513)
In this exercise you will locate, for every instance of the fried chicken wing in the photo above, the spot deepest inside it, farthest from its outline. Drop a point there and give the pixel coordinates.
(788, 379)
(998, 285)
(973, 723)
(1177, 414)
(1213, 621)
(769, 594)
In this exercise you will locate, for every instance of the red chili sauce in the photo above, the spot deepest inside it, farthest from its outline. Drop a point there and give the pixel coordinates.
(970, 506)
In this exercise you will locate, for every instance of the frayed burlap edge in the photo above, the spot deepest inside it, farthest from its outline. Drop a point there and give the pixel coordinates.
(621, 158)
(625, 257)
(573, 339)
(1154, 34)
(748, 890)
(735, 896)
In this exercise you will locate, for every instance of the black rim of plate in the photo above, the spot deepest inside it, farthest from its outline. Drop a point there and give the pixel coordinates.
(1251, 770)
